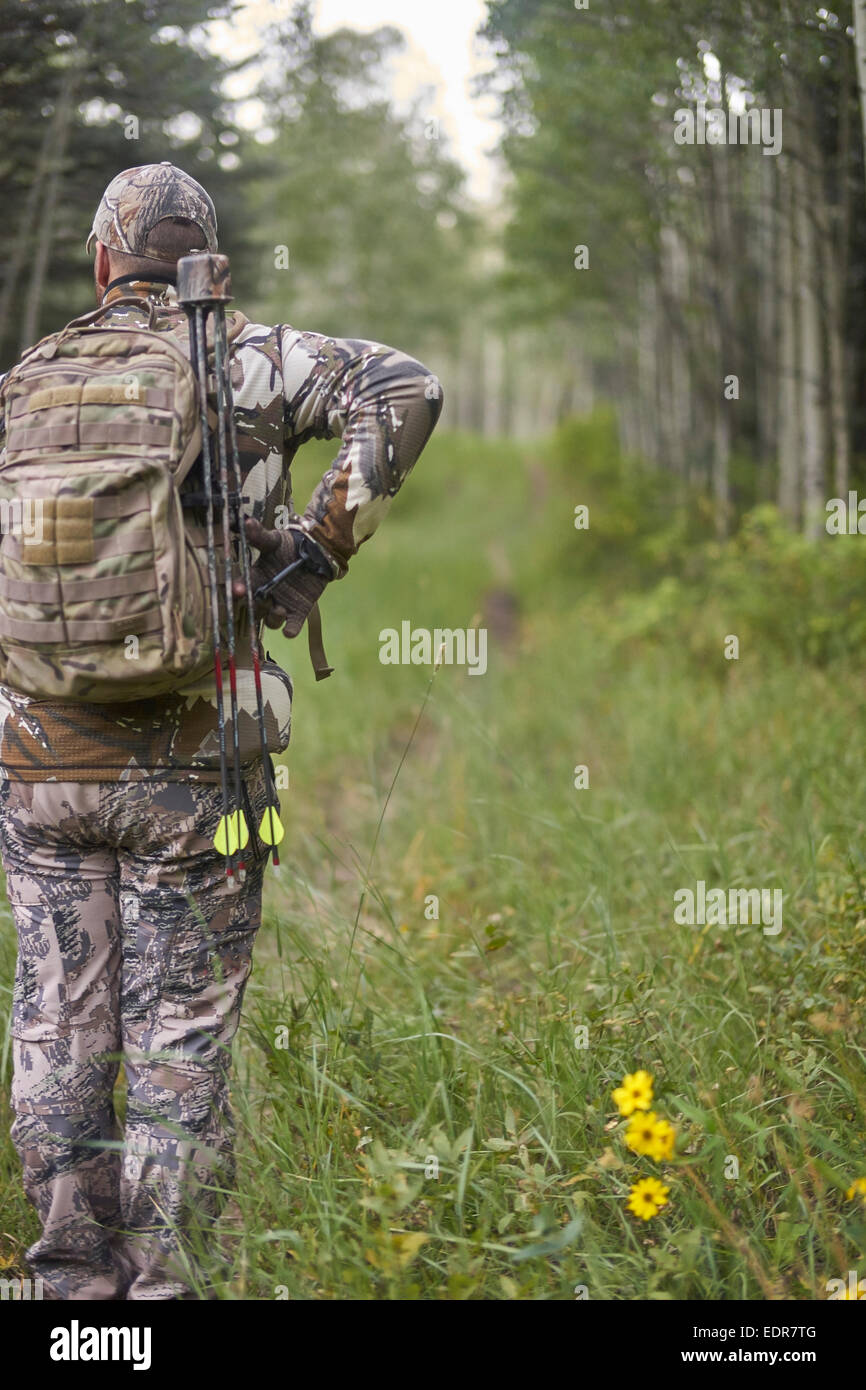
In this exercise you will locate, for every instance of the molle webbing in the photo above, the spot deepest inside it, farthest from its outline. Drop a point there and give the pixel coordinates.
(91, 393)
(87, 434)
(67, 632)
(77, 590)
(102, 595)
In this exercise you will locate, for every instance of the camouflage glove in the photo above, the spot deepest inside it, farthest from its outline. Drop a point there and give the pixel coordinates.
(288, 604)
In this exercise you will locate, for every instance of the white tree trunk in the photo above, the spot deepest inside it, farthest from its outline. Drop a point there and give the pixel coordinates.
(860, 52)
(811, 346)
(835, 242)
(647, 372)
(788, 496)
(676, 279)
(767, 365)
(833, 274)
(722, 325)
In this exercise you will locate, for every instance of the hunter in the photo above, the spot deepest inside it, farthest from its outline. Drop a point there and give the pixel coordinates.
(134, 944)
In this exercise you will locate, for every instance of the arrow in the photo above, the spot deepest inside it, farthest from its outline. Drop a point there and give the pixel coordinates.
(198, 347)
(220, 373)
(272, 831)
(232, 834)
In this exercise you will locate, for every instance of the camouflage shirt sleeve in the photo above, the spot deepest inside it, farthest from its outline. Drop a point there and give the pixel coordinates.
(381, 403)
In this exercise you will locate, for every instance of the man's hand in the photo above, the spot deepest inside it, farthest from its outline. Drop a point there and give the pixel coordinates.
(288, 604)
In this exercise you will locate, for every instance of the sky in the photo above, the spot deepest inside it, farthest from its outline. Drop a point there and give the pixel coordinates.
(441, 54)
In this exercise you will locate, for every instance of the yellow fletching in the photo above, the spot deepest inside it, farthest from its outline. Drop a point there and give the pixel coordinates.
(271, 830)
(226, 838)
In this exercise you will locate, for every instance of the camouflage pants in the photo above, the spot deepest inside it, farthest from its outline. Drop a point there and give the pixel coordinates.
(132, 945)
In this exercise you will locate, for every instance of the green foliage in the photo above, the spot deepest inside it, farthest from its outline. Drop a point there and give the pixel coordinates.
(416, 1119)
(412, 1039)
(676, 235)
(647, 547)
(76, 70)
(368, 203)
(640, 524)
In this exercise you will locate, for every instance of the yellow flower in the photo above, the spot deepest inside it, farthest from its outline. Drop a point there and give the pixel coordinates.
(649, 1135)
(662, 1146)
(647, 1198)
(858, 1186)
(635, 1093)
(641, 1132)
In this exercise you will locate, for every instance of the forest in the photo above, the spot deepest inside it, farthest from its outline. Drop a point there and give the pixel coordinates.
(643, 492)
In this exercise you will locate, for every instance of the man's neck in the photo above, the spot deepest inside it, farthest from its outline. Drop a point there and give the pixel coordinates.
(158, 290)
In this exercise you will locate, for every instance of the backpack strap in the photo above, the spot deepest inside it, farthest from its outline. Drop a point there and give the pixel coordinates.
(316, 645)
(85, 320)
(47, 347)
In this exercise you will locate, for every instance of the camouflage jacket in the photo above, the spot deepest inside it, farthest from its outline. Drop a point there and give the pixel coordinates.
(289, 387)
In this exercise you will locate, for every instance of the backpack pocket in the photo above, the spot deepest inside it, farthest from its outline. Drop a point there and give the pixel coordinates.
(105, 601)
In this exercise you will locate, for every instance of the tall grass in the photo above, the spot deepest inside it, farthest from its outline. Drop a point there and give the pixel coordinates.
(417, 1115)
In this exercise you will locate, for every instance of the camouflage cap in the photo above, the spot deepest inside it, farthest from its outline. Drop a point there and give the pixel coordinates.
(137, 199)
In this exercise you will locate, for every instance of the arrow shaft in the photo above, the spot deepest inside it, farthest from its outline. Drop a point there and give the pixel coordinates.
(246, 573)
(220, 373)
(198, 345)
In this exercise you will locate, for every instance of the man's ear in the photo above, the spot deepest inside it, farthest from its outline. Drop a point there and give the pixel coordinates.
(101, 267)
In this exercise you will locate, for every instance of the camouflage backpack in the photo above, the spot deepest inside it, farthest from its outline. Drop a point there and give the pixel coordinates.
(103, 578)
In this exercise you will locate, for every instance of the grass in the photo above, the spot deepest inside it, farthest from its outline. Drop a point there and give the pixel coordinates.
(417, 1116)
